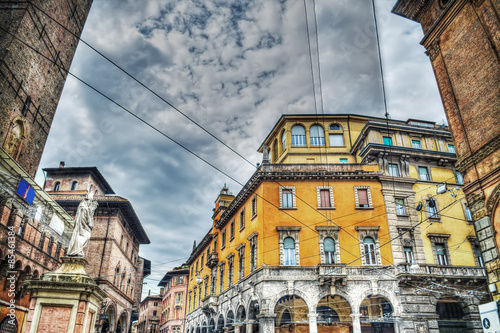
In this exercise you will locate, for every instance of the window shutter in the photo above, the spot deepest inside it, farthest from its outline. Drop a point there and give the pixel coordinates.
(363, 197)
(325, 198)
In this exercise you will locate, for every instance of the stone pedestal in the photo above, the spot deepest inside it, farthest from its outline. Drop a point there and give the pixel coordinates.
(64, 301)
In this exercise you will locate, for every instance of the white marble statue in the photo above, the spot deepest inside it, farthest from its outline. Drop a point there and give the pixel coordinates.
(84, 222)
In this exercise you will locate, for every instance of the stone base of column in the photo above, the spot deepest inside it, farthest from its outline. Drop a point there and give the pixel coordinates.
(66, 300)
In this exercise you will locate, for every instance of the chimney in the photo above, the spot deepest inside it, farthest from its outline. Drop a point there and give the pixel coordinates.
(149, 292)
(62, 164)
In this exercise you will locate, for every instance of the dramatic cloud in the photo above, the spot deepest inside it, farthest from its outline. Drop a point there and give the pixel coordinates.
(233, 67)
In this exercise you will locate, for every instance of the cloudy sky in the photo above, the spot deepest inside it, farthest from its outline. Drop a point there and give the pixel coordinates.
(233, 67)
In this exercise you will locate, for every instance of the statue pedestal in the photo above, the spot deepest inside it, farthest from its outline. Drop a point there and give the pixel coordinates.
(64, 301)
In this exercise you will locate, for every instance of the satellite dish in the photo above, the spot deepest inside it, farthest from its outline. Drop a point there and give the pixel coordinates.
(419, 206)
(432, 203)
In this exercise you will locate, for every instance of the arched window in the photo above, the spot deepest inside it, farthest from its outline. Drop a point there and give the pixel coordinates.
(329, 247)
(56, 186)
(298, 136)
(335, 127)
(283, 141)
(317, 135)
(74, 185)
(117, 271)
(370, 255)
(289, 248)
(275, 150)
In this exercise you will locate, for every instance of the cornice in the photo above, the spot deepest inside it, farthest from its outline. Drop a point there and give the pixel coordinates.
(411, 9)
(444, 20)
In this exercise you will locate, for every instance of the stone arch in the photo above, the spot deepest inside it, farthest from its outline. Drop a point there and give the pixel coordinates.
(241, 314)
(333, 308)
(396, 307)
(109, 324)
(122, 322)
(230, 318)
(291, 313)
(220, 323)
(309, 302)
(493, 207)
(16, 137)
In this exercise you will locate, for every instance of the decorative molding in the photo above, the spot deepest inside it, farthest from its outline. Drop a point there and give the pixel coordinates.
(433, 50)
(487, 150)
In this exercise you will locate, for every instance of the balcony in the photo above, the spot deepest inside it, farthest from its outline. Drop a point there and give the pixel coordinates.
(212, 259)
(473, 273)
(209, 304)
(332, 271)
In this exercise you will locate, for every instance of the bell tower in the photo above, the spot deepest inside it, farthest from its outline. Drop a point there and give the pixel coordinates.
(37, 42)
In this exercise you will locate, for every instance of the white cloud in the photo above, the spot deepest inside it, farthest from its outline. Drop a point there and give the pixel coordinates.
(234, 67)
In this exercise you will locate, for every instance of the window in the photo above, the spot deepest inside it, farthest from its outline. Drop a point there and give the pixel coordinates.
(154, 312)
(400, 206)
(416, 144)
(56, 186)
(275, 150)
(241, 261)
(387, 140)
(325, 196)
(460, 178)
(74, 185)
(362, 196)
(336, 140)
(242, 219)
(343, 161)
(231, 230)
(329, 248)
(230, 270)
(441, 254)
(289, 249)
(221, 278)
(283, 141)
(223, 240)
(479, 258)
(408, 254)
(335, 127)
(431, 209)
(451, 148)
(298, 136)
(370, 255)
(287, 197)
(253, 257)
(213, 281)
(468, 214)
(254, 206)
(423, 173)
(393, 170)
(317, 135)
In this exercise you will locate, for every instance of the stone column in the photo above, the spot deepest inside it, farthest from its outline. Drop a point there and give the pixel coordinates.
(313, 325)
(66, 300)
(266, 323)
(356, 323)
(237, 328)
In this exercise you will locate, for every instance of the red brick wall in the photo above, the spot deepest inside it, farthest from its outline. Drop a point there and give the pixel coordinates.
(25, 73)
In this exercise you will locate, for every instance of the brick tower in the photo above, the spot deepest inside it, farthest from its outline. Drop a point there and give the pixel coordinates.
(462, 38)
(31, 83)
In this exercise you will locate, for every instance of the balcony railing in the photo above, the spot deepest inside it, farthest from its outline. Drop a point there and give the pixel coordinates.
(212, 260)
(437, 270)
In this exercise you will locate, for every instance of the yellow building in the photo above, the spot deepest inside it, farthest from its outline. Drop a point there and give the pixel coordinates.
(325, 235)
